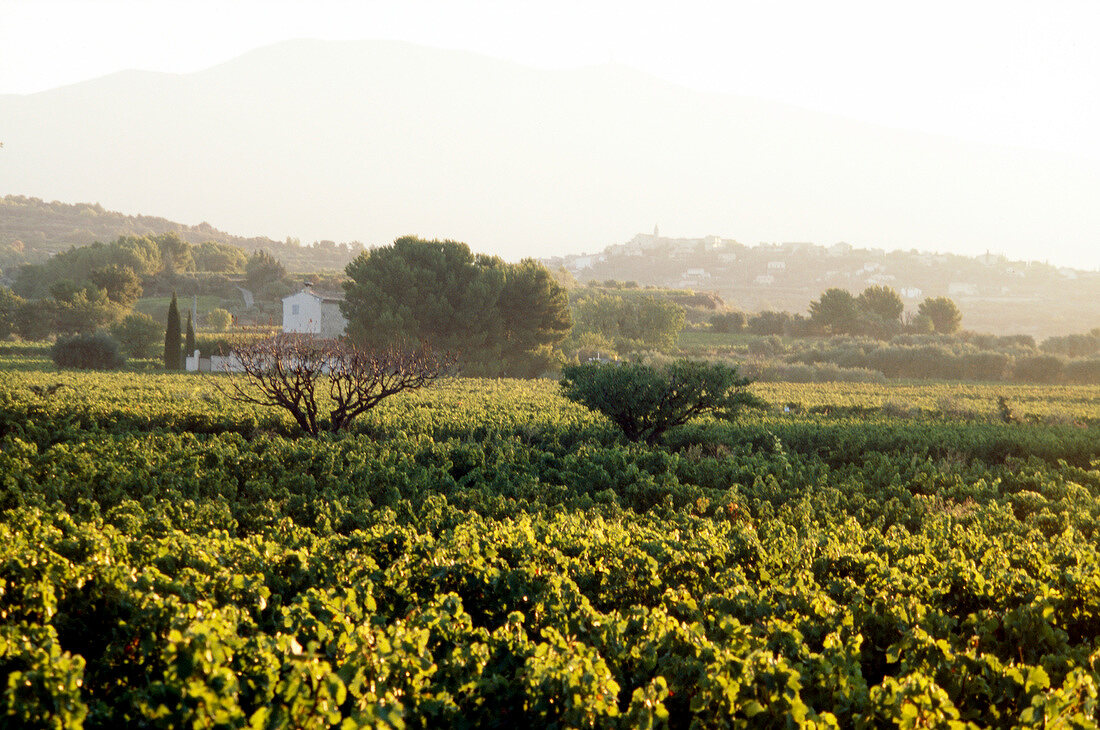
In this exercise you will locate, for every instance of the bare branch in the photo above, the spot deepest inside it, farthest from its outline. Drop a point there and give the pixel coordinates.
(291, 372)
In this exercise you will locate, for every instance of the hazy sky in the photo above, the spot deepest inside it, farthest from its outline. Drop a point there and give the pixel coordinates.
(1016, 73)
(1023, 74)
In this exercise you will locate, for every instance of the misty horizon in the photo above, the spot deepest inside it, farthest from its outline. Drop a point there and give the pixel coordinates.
(522, 161)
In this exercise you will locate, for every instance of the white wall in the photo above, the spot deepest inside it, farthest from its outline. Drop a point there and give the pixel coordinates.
(333, 323)
(307, 318)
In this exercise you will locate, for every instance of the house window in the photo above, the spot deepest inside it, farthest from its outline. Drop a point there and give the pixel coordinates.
(293, 308)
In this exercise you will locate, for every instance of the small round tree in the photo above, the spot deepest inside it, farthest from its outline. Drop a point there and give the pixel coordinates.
(944, 314)
(138, 334)
(835, 312)
(881, 301)
(219, 319)
(645, 401)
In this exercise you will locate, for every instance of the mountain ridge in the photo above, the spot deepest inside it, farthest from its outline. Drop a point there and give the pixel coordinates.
(349, 140)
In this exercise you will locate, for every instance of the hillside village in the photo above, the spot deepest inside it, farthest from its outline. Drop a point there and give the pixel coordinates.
(995, 294)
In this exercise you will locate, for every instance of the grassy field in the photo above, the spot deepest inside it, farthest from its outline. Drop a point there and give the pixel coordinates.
(157, 307)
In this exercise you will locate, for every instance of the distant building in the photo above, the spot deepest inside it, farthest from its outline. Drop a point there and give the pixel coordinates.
(686, 246)
(315, 313)
(777, 265)
(910, 292)
(764, 279)
(840, 249)
(798, 246)
(880, 279)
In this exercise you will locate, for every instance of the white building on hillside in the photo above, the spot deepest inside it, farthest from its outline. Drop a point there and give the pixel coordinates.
(315, 313)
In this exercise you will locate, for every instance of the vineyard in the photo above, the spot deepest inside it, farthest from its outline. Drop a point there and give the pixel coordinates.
(486, 553)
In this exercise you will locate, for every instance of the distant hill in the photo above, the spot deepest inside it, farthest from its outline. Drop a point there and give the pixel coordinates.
(370, 140)
(995, 294)
(33, 229)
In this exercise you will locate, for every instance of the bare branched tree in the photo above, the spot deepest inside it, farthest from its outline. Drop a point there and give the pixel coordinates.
(296, 372)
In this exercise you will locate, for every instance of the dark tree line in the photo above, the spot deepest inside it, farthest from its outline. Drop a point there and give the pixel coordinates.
(876, 312)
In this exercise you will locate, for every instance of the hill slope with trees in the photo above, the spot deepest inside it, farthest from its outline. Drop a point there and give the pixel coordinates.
(995, 293)
(32, 230)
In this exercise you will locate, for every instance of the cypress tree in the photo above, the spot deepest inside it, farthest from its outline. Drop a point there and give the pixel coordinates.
(172, 355)
(189, 347)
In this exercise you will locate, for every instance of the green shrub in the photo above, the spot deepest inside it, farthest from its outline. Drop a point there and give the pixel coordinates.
(139, 334)
(728, 322)
(219, 319)
(1082, 372)
(646, 401)
(88, 352)
(983, 366)
(1038, 369)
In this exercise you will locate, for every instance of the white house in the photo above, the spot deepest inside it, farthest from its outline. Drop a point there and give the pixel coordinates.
(315, 313)
(880, 279)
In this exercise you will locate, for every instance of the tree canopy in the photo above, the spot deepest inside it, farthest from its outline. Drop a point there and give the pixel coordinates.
(628, 322)
(263, 269)
(138, 334)
(835, 312)
(502, 319)
(875, 312)
(120, 283)
(881, 301)
(945, 316)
